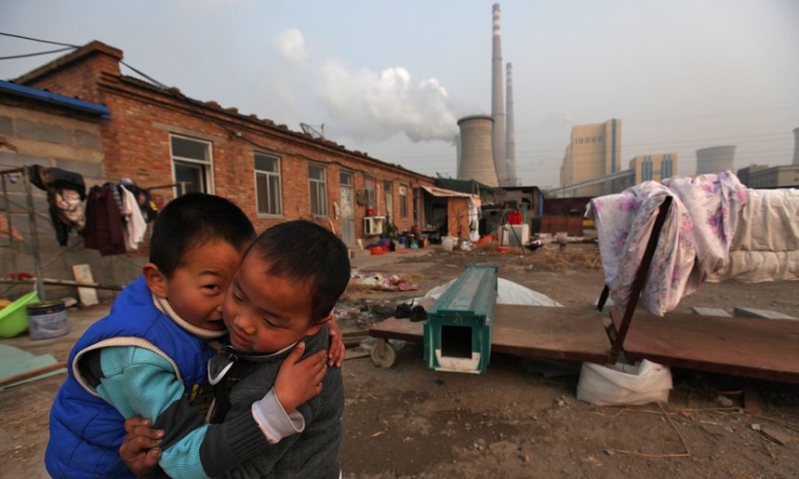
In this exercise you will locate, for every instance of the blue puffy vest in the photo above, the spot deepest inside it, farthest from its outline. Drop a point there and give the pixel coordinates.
(85, 431)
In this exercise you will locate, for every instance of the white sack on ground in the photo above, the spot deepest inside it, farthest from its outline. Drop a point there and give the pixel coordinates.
(624, 384)
(508, 292)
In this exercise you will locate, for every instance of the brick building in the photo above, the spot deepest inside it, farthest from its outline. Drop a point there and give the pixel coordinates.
(171, 144)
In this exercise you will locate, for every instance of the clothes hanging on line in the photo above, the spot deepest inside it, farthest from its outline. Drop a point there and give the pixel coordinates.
(104, 221)
(135, 226)
(65, 194)
(117, 218)
(148, 208)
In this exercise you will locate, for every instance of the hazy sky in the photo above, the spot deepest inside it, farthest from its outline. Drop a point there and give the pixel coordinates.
(392, 78)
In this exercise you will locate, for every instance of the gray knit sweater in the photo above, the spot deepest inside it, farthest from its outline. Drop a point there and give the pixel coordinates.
(310, 454)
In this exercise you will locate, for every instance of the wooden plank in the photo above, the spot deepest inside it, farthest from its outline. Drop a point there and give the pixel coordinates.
(83, 274)
(758, 348)
(573, 334)
(31, 374)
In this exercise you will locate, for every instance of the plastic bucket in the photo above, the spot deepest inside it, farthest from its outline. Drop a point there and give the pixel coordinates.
(48, 319)
(13, 318)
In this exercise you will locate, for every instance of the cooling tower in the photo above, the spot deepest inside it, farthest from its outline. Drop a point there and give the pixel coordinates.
(716, 159)
(795, 146)
(476, 160)
(510, 145)
(497, 103)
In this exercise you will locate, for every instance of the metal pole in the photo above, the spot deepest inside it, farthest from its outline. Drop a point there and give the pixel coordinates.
(37, 261)
(7, 205)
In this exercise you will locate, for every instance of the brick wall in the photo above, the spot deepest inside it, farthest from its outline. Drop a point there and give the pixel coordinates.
(136, 142)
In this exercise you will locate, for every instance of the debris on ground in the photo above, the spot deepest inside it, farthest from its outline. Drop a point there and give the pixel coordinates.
(381, 282)
(360, 314)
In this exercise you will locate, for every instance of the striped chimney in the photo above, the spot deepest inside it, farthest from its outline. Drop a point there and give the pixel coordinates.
(498, 104)
(510, 146)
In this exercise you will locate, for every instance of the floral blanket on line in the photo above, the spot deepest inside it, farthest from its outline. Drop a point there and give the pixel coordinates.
(693, 243)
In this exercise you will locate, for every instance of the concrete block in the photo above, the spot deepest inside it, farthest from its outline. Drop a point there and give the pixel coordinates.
(760, 313)
(87, 140)
(43, 132)
(710, 311)
(10, 158)
(6, 125)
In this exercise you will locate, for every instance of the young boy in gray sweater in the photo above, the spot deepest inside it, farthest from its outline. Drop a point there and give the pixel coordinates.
(283, 292)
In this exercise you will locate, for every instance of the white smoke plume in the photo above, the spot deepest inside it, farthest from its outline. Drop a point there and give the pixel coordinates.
(367, 106)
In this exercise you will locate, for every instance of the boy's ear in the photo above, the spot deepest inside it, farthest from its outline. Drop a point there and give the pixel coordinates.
(156, 280)
(315, 326)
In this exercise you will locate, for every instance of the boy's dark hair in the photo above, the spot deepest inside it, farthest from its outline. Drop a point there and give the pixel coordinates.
(191, 220)
(303, 251)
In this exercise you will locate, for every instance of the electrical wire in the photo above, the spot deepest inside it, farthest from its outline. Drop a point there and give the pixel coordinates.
(27, 55)
(6, 34)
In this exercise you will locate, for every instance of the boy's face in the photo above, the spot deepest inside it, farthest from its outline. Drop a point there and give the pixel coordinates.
(197, 287)
(265, 313)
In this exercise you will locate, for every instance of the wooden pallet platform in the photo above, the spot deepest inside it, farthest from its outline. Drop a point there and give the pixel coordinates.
(752, 347)
(574, 334)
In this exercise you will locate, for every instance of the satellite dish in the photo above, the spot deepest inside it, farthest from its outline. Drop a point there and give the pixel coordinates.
(311, 130)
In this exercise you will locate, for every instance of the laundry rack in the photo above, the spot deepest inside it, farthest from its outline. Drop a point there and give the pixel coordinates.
(26, 207)
(13, 175)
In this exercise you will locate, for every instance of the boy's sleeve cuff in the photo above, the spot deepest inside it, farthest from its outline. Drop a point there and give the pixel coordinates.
(273, 420)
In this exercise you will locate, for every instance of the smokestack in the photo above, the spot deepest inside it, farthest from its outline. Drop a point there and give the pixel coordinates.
(716, 159)
(497, 104)
(510, 146)
(795, 146)
(475, 162)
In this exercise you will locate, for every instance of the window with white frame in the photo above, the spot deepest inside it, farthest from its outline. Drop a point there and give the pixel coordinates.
(191, 163)
(267, 184)
(403, 201)
(318, 186)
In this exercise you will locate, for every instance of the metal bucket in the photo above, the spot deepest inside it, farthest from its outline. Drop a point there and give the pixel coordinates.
(47, 319)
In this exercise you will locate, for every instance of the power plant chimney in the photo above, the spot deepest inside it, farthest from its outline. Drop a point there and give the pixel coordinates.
(497, 103)
(716, 159)
(475, 160)
(510, 145)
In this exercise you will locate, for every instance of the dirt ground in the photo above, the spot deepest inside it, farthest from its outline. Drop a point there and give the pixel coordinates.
(521, 418)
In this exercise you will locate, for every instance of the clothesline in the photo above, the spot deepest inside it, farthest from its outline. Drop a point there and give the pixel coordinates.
(114, 218)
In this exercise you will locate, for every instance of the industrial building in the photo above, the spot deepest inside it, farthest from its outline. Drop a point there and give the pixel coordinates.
(653, 167)
(594, 151)
(764, 176)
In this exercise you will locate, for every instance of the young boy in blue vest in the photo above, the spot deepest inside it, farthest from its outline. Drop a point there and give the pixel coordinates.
(286, 286)
(148, 357)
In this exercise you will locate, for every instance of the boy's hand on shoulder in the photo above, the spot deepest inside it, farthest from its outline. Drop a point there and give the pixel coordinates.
(139, 448)
(298, 381)
(337, 350)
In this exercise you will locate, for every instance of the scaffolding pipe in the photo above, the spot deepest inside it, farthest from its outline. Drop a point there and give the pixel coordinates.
(37, 260)
(7, 205)
(61, 282)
